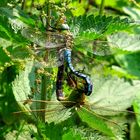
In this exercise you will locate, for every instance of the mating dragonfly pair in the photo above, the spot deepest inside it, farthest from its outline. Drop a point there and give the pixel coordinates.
(55, 49)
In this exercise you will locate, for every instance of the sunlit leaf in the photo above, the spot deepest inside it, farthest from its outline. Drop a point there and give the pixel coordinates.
(94, 121)
(24, 133)
(134, 13)
(90, 27)
(21, 86)
(125, 41)
(134, 131)
(71, 135)
(119, 4)
(22, 92)
(130, 63)
(4, 3)
(5, 58)
(136, 106)
(78, 8)
(114, 94)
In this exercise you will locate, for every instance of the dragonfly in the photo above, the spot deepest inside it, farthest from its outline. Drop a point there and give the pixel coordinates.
(58, 48)
(102, 110)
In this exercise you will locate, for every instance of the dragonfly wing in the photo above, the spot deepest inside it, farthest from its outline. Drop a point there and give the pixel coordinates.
(100, 48)
(49, 59)
(58, 115)
(112, 95)
(103, 48)
(50, 47)
(43, 39)
(54, 110)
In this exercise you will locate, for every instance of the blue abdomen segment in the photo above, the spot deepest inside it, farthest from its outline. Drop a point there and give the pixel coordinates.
(88, 84)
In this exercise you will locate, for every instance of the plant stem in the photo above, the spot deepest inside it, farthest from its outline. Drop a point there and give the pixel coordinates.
(43, 96)
(44, 78)
(23, 4)
(101, 10)
(48, 19)
(32, 4)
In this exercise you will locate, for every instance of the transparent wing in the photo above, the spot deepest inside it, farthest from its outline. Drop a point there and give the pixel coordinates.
(50, 45)
(84, 58)
(54, 111)
(48, 59)
(45, 40)
(98, 47)
(112, 95)
(46, 48)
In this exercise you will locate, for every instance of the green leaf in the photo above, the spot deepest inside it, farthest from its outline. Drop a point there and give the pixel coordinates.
(112, 95)
(5, 2)
(94, 121)
(78, 8)
(70, 135)
(8, 35)
(22, 133)
(136, 106)
(125, 41)
(53, 131)
(55, 111)
(5, 43)
(7, 101)
(5, 58)
(118, 5)
(134, 131)
(5, 30)
(17, 15)
(130, 63)
(20, 52)
(134, 13)
(21, 86)
(90, 27)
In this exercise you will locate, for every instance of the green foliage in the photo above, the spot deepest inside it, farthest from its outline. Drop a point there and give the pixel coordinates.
(101, 105)
(125, 41)
(21, 84)
(105, 92)
(19, 71)
(7, 102)
(135, 131)
(130, 63)
(4, 3)
(117, 5)
(4, 59)
(133, 12)
(91, 27)
(94, 121)
(8, 35)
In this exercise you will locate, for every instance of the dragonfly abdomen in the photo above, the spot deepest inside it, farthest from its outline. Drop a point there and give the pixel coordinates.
(59, 83)
(88, 84)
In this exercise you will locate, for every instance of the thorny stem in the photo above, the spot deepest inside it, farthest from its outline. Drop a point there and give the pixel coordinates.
(48, 19)
(101, 10)
(135, 3)
(43, 96)
(44, 77)
(23, 4)
(32, 4)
